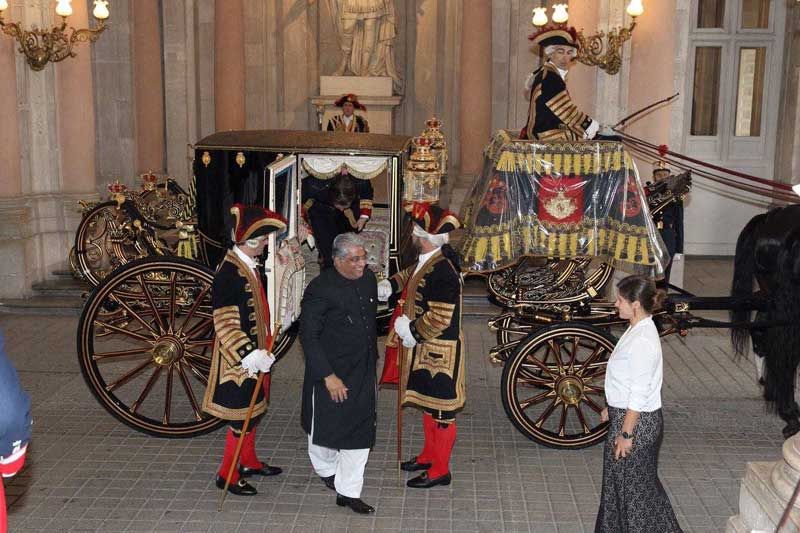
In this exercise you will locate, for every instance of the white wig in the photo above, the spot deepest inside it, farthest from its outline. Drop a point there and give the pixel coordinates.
(439, 239)
(571, 50)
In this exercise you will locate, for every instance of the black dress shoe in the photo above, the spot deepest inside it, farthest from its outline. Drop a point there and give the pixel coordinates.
(356, 504)
(412, 465)
(329, 481)
(424, 482)
(265, 470)
(241, 488)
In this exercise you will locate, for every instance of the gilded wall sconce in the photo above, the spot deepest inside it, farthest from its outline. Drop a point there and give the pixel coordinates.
(603, 49)
(42, 46)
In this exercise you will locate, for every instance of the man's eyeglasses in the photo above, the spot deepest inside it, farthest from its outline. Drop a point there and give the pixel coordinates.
(355, 259)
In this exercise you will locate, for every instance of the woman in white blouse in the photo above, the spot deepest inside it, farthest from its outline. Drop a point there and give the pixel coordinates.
(633, 499)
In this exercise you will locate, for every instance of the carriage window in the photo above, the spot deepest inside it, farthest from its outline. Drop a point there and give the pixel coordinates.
(711, 13)
(750, 91)
(705, 97)
(755, 14)
(283, 197)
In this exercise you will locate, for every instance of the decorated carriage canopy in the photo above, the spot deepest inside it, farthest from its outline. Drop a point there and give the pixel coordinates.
(229, 166)
(559, 200)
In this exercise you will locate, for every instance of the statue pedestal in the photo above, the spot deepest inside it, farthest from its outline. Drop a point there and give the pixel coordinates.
(765, 493)
(374, 92)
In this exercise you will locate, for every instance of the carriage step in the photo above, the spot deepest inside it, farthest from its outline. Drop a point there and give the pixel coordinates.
(42, 305)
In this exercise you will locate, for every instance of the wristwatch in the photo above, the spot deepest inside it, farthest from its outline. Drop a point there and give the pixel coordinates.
(626, 435)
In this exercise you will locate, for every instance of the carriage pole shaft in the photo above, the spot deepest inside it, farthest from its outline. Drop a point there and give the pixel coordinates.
(246, 423)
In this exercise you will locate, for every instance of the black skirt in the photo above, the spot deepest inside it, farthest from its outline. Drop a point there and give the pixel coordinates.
(633, 499)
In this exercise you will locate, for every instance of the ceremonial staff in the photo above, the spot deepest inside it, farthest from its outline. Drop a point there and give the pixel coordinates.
(247, 418)
(400, 356)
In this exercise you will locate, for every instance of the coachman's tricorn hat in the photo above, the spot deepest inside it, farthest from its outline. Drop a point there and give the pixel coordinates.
(556, 35)
(353, 99)
(432, 219)
(251, 221)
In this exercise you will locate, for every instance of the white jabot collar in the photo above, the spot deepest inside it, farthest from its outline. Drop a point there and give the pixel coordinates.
(424, 258)
(346, 119)
(562, 73)
(246, 259)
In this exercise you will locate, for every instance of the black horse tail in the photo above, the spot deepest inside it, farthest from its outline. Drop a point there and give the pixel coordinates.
(781, 343)
(744, 268)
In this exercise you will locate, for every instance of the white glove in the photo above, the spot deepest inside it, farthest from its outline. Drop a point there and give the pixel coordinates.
(384, 290)
(591, 131)
(257, 361)
(402, 326)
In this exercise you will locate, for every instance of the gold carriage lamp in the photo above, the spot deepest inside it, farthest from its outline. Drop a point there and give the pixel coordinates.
(603, 49)
(422, 176)
(433, 131)
(41, 46)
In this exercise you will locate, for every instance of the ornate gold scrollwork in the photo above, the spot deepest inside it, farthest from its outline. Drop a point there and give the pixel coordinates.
(604, 49)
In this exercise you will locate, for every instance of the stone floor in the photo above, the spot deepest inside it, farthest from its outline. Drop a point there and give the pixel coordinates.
(87, 472)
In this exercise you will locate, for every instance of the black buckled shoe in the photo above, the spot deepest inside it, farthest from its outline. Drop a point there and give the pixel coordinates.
(412, 465)
(356, 504)
(241, 488)
(425, 482)
(265, 470)
(329, 481)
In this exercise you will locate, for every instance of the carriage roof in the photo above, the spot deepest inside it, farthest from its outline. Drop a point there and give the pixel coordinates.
(326, 142)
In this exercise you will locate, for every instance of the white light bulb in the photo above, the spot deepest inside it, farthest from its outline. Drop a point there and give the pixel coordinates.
(635, 8)
(100, 9)
(3, 5)
(560, 15)
(64, 8)
(539, 16)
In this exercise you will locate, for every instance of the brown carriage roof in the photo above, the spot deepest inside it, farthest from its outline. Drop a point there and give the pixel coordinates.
(305, 141)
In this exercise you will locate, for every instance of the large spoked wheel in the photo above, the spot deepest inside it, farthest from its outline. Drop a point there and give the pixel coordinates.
(553, 385)
(145, 342)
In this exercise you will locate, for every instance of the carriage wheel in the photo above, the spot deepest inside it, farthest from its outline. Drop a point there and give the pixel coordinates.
(511, 330)
(144, 344)
(553, 385)
(102, 244)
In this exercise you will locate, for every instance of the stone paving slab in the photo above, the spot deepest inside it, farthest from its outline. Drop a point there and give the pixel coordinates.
(88, 472)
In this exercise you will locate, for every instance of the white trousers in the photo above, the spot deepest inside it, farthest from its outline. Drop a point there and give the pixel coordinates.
(347, 465)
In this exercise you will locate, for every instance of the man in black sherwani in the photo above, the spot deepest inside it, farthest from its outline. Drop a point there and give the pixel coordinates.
(339, 336)
(669, 222)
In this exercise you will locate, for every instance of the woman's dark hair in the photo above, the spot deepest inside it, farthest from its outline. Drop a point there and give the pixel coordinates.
(643, 290)
(342, 191)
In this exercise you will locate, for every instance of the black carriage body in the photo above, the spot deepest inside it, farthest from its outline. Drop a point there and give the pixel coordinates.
(230, 167)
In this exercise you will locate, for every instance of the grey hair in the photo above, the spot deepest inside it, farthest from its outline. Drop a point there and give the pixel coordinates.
(548, 50)
(345, 241)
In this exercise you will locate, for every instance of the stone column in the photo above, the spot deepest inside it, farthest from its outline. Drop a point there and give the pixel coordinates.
(229, 85)
(75, 111)
(765, 492)
(148, 86)
(10, 184)
(476, 86)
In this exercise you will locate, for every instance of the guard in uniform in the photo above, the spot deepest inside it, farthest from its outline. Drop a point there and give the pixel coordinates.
(348, 120)
(242, 333)
(552, 115)
(334, 206)
(429, 329)
(669, 222)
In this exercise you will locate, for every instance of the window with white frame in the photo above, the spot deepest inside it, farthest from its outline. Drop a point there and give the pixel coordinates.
(735, 56)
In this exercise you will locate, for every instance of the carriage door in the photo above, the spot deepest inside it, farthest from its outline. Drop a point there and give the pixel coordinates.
(733, 82)
(284, 266)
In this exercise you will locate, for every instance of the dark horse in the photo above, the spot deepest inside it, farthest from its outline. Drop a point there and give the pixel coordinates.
(768, 251)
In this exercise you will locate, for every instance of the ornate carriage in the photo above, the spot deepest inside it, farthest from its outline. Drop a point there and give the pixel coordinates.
(145, 335)
(547, 223)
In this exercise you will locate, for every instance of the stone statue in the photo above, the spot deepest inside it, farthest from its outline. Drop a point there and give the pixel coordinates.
(366, 32)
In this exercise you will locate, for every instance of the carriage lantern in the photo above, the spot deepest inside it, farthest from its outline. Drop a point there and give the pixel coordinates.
(422, 176)
(433, 131)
